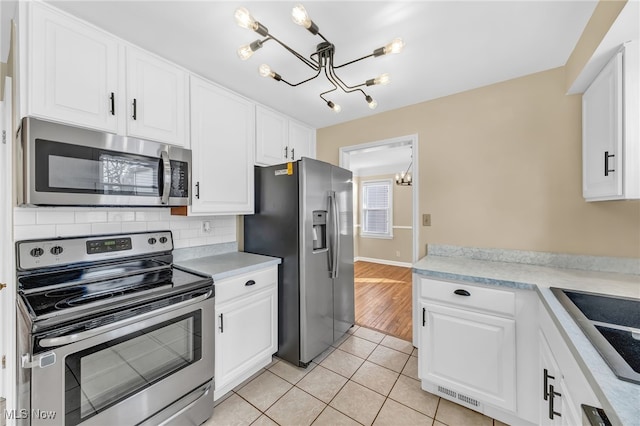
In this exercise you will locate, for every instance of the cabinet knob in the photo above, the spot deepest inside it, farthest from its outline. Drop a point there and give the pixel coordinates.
(2, 286)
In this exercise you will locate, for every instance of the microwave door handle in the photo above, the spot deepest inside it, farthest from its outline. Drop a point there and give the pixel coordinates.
(166, 172)
(84, 335)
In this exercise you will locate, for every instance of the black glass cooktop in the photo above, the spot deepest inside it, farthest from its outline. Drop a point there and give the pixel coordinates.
(119, 283)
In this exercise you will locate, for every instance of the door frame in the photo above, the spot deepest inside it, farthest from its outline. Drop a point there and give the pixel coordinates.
(411, 140)
(7, 266)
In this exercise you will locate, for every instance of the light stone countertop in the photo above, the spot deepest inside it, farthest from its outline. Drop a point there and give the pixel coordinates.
(620, 399)
(227, 265)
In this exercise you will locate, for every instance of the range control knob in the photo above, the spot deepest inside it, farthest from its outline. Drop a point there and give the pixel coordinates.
(56, 250)
(163, 240)
(36, 252)
(151, 240)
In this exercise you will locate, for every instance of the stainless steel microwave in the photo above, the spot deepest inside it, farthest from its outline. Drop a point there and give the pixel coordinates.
(70, 166)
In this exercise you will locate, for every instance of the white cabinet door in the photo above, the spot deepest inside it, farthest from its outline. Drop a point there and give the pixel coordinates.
(301, 141)
(602, 133)
(271, 137)
(550, 377)
(246, 331)
(72, 71)
(156, 97)
(470, 353)
(222, 143)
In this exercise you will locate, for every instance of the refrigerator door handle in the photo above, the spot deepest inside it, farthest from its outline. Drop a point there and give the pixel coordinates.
(335, 245)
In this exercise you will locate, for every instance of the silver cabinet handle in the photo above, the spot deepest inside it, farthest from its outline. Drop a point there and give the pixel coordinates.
(286, 152)
(84, 335)
(292, 153)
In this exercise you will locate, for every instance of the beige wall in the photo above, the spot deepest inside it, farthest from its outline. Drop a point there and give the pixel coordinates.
(500, 167)
(402, 241)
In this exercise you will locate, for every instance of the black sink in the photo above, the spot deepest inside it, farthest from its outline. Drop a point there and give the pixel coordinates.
(612, 324)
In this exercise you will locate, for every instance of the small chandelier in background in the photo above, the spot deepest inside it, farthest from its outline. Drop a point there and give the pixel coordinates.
(404, 178)
(320, 60)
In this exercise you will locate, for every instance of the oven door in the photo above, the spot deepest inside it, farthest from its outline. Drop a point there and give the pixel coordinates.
(129, 373)
(66, 165)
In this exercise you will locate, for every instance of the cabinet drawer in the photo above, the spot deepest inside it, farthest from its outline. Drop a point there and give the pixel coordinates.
(240, 285)
(480, 298)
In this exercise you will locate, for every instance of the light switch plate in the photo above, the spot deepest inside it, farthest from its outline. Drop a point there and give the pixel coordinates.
(426, 219)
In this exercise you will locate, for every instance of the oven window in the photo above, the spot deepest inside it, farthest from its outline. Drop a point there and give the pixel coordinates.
(103, 375)
(68, 168)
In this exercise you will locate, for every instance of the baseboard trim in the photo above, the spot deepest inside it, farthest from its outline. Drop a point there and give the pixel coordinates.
(383, 261)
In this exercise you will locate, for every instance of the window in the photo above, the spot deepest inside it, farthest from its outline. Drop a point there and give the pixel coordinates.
(377, 202)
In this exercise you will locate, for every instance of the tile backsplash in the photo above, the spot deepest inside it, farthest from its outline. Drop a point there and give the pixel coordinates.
(51, 222)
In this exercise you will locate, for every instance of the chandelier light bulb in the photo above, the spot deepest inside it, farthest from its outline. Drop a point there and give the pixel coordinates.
(372, 102)
(245, 52)
(265, 70)
(244, 19)
(382, 79)
(300, 16)
(335, 107)
(395, 46)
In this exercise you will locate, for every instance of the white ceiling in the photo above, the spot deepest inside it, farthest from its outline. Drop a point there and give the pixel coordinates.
(451, 46)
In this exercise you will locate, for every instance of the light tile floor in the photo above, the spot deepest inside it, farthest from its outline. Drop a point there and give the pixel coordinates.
(365, 378)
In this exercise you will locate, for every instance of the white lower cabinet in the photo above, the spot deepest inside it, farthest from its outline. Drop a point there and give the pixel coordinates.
(471, 353)
(562, 385)
(476, 347)
(246, 326)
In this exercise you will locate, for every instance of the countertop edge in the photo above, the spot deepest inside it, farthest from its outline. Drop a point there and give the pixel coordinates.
(235, 263)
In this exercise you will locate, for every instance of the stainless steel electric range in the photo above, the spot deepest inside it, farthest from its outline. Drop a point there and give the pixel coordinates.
(110, 332)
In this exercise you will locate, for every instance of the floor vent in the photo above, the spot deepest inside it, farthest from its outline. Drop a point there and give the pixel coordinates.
(446, 391)
(468, 400)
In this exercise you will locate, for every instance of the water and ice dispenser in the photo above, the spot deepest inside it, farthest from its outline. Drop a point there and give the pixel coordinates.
(319, 229)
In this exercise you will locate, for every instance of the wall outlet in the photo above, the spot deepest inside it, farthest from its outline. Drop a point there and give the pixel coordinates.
(426, 219)
(397, 253)
(206, 226)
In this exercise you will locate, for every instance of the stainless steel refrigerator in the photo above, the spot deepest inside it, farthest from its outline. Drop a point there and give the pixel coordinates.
(304, 215)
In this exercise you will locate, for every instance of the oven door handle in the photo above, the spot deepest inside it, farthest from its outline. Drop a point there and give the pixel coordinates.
(83, 335)
(166, 173)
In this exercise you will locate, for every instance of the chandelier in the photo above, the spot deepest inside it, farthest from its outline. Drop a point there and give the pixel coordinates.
(404, 178)
(319, 61)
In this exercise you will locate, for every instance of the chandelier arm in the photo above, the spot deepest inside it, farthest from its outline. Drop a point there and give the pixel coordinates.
(303, 81)
(310, 64)
(335, 87)
(345, 87)
(354, 61)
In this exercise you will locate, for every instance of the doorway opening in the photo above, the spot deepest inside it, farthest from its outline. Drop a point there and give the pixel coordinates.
(385, 231)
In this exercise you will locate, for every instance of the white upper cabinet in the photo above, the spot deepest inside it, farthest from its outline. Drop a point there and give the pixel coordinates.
(157, 98)
(72, 70)
(75, 74)
(271, 137)
(279, 139)
(301, 141)
(222, 141)
(610, 130)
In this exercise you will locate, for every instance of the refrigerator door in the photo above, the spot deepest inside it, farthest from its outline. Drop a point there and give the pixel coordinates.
(316, 290)
(273, 231)
(343, 282)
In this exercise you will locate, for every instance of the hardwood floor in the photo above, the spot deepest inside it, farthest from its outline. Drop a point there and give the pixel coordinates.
(383, 298)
